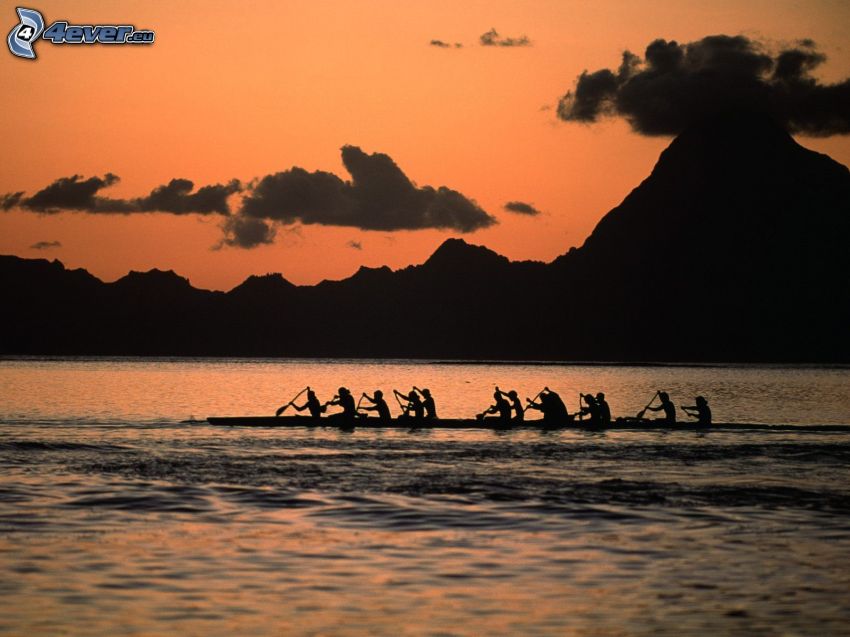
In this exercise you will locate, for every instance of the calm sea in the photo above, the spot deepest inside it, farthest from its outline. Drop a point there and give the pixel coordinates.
(116, 518)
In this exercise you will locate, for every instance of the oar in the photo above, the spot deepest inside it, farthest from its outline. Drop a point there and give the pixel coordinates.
(534, 400)
(398, 400)
(579, 412)
(282, 408)
(643, 411)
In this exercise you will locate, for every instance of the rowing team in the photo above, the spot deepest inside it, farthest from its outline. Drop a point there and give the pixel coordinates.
(419, 405)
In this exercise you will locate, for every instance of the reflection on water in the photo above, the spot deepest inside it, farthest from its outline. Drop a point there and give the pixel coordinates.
(117, 519)
(139, 390)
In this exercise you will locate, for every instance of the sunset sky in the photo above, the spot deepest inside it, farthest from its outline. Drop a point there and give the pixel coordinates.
(241, 90)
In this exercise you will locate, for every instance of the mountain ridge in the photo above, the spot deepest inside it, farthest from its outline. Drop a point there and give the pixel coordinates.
(732, 249)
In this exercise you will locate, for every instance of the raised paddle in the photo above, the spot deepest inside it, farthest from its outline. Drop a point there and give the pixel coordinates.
(534, 400)
(643, 411)
(282, 408)
(398, 400)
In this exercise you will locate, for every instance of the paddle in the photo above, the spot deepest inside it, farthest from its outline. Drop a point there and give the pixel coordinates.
(398, 400)
(534, 400)
(282, 408)
(643, 411)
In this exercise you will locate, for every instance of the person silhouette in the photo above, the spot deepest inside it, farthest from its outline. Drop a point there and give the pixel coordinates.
(701, 411)
(553, 408)
(414, 404)
(604, 409)
(428, 403)
(379, 405)
(516, 405)
(501, 407)
(667, 406)
(345, 400)
(591, 408)
(316, 408)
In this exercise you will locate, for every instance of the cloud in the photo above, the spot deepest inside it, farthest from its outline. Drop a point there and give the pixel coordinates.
(492, 38)
(445, 45)
(246, 232)
(45, 245)
(75, 193)
(355, 244)
(11, 200)
(378, 197)
(521, 208)
(177, 197)
(70, 193)
(678, 84)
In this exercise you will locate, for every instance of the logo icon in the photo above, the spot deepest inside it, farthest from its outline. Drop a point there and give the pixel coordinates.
(22, 38)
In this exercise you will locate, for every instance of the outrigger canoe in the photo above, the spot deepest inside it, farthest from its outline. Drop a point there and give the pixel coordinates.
(497, 424)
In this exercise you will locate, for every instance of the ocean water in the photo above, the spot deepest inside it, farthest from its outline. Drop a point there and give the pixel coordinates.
(118, 518)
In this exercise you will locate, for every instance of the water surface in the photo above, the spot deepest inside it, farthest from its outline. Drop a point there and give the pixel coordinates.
(117, 519)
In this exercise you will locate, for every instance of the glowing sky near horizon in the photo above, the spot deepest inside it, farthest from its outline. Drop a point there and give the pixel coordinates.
(235, 90)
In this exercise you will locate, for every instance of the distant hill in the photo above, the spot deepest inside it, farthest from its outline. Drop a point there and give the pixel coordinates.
(733, 249)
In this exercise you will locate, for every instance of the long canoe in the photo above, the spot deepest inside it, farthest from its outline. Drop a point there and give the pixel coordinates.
(497, 424)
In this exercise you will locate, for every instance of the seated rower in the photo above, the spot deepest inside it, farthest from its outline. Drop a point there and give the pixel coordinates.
(554, 410)
(379, 405)
(667, 406)
(604, 409)
(501, 407)
(701, 411)
(516, 405)
(414, 404)
(428, 403)
(592, 409)
(313, 404)
(345, 400)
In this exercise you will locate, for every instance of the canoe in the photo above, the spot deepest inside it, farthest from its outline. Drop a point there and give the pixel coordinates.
(625, 424)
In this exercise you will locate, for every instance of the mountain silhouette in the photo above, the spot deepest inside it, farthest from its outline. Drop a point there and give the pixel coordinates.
(733, 249)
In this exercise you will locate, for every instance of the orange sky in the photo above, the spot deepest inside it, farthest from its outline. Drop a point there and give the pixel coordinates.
(241, 90)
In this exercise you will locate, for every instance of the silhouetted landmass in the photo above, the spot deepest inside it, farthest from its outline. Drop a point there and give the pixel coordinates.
(733, 249)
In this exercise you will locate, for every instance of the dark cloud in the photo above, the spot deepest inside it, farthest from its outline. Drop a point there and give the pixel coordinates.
(77, 194)
(492, 38)
(678, 84)
(70, 193)
(11, 200)
(378, 197)
(246, 232)
(445, 45)
(45, 245)
(177, 197)
(355, 244)
(522, 208)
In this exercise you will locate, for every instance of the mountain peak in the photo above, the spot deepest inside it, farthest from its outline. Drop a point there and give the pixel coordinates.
(731, 140)
(457, 253)
(271, 283)
(153, 280)
(738, 181)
